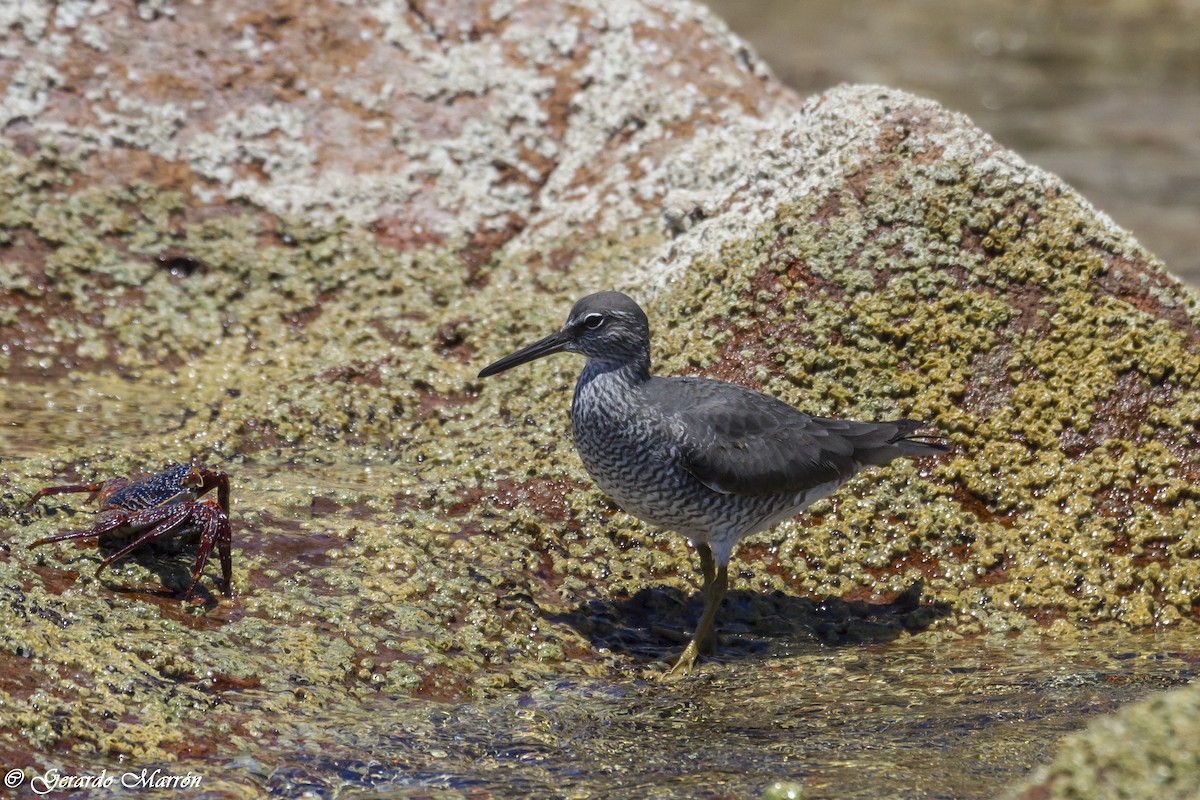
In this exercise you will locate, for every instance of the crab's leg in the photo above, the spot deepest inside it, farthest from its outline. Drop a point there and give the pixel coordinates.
(216, 531)
(164, 519)
(65, 489)
(110, 522)
(224, 547)
(212, 478)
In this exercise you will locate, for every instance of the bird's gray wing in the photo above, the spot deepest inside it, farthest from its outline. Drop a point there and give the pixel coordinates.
(738, 441)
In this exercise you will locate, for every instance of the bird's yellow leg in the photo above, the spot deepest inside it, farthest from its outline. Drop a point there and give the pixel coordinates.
(714, 593)
(707, 568)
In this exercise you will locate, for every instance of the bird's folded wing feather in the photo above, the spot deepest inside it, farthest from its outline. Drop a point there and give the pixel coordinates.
(737, 441)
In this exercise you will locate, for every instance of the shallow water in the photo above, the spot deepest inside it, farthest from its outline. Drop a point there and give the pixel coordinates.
(916, 719)
(928, 715)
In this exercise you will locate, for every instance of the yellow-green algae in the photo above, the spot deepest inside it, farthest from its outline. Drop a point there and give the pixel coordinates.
(808, 295)
(405, 596)
(1148, 749)
(314, 364)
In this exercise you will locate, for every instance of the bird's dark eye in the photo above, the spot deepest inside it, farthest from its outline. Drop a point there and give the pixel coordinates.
(593, 321)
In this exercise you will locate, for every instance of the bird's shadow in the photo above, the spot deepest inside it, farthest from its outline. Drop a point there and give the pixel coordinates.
(656, 623)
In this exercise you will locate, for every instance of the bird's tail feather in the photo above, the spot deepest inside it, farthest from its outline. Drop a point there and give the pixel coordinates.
(915, 438)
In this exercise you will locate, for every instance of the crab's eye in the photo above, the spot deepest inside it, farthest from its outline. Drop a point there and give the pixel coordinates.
(593, 321)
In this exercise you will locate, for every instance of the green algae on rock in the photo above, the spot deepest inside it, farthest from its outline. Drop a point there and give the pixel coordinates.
(1053, 375)
(1147, 749)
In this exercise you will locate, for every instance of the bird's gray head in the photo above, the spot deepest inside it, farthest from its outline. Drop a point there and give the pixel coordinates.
(607, 327)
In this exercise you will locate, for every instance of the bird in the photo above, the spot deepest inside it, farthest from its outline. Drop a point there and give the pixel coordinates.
(711, 460)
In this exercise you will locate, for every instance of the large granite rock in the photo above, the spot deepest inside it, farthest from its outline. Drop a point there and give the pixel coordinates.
(285, 240)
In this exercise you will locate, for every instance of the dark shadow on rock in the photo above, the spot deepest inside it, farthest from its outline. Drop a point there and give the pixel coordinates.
(656, 623)
(170, 557)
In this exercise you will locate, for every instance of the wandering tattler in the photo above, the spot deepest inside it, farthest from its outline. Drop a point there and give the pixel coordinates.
(708, 459)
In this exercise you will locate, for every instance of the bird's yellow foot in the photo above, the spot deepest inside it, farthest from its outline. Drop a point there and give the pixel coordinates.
(685, 663)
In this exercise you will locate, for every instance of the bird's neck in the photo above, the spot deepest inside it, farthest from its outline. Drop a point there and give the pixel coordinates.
(603, 377)
(631, 371)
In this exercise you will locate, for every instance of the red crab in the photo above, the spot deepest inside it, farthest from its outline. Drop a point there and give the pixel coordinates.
(153, 506)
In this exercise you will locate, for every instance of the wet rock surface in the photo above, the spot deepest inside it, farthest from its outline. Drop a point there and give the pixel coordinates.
(284, 243)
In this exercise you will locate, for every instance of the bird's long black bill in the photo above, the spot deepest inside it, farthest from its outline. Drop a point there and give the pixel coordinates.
(554, 343)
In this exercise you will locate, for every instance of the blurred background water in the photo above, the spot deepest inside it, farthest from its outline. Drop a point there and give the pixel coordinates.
(1104, 93)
